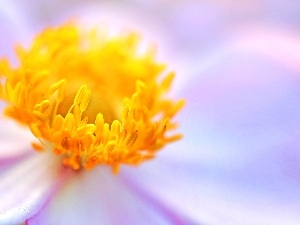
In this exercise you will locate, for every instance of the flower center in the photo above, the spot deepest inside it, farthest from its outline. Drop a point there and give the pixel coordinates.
(92, 98)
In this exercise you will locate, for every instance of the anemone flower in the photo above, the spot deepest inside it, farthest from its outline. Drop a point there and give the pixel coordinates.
(237, 164)
(91, 98)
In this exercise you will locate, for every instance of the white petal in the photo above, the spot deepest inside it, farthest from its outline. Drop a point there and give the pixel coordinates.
(241, 92)
(99, 197)
(25, 188)
(216, 196)
(239, 162)
(14, 139)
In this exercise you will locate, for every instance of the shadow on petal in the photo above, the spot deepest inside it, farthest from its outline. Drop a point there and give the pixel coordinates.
(98, 197)
(27, 186)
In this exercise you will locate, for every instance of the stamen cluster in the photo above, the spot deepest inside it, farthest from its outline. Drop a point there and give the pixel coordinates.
(93, 98)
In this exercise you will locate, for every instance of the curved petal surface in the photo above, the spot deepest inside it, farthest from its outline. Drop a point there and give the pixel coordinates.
(27, 186)
(99, 197)
(239, 162)
(15, 140)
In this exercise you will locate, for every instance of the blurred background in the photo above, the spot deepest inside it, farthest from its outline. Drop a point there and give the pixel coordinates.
(186, 29)
(190, 25)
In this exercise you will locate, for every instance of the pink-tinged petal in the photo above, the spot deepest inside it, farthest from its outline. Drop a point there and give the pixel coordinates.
(239, 161)
(281, 45)
(99, 197)
(238, 90)
(219, 196)
(15, 140)
(26, 187)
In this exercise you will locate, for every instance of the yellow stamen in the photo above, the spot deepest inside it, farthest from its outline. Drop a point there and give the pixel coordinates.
(93, 98)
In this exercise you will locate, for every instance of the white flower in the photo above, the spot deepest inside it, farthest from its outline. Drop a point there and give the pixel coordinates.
(239, 161)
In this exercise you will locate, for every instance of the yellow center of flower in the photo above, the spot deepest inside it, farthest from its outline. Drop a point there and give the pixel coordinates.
(94, 99)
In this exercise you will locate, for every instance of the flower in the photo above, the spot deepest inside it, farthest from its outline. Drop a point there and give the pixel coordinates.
(239, 160)
(69, 89)
(91, 98)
